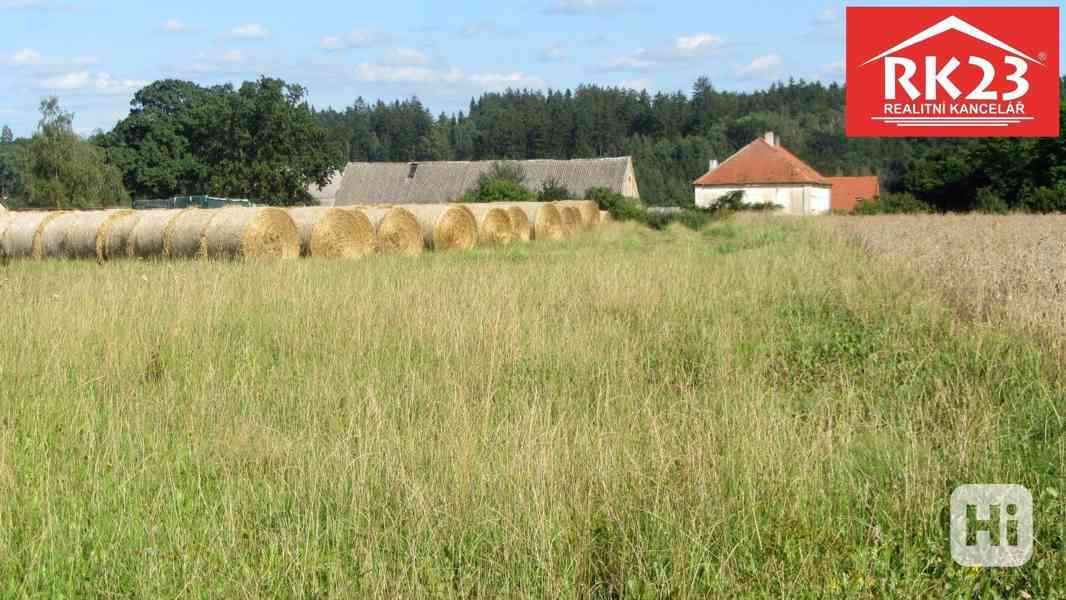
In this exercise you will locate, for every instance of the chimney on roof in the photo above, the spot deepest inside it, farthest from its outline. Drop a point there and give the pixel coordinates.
(713, 166)
(771, 138)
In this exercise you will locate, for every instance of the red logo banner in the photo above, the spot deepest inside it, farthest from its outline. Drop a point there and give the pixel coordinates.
(953, 72)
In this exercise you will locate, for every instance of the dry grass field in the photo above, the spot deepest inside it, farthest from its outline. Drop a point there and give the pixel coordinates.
(753, 410)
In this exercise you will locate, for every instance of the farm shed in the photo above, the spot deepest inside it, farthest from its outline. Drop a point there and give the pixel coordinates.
(849, 191)
(437, 182)
(767, 173)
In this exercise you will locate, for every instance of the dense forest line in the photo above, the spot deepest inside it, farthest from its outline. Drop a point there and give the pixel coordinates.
(264, 141)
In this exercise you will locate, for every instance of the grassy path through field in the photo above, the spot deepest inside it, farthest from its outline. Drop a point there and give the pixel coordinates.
(752, 410)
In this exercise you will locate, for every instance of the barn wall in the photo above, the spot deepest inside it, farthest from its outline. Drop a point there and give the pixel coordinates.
(629, 186)
(793, 199)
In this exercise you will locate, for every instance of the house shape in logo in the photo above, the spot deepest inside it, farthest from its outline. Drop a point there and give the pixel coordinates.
(953, 23)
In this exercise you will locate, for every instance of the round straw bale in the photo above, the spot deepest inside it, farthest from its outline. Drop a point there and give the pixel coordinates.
(148, 238)
(545, 219)
(5, 220)
(184, 235)
(24, 233)
(445, 227)
(493, 224)
(115, 235)
(571, 219)
(333, 233)
(77, 235)
(523, 231)
(54, 235)
(256, 233)
(396, 229)
(590, 211)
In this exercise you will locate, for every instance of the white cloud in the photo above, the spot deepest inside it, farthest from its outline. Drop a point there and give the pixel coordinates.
(30, 58)
(228, 62)
(596, 8)
(502, 81)
(636, 84)
(552, 53)
(85, 81)
(203, 67)
(23, 57)
(833, 71)
(681, 49)
(697, 43)
(331, 42)
(476, 29)
(406, 57)
(250, 32)
(637, 61)
(34, 5)
(829, 16)
(233, 56)
(176, 26)
(383, 73)
(826, 26)
(356, 38)
(362, 37)
(760, 68)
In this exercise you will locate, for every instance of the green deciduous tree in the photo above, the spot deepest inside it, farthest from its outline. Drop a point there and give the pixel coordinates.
(59, 170)
(260, 141)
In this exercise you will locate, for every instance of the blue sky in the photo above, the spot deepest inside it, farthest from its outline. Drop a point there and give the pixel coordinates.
(94, 54)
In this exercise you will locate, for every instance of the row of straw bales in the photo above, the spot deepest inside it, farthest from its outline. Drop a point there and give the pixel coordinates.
(349, 232)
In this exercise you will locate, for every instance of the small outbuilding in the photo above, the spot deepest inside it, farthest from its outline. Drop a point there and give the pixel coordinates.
(767, 173)
(849, 191)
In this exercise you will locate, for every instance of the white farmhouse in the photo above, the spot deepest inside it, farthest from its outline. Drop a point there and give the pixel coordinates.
(767, 174)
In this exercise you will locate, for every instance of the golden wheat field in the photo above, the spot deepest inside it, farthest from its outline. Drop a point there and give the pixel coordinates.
(988, 266)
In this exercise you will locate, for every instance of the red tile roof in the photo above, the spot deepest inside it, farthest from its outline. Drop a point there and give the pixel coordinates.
(761, 163)
(847, 191)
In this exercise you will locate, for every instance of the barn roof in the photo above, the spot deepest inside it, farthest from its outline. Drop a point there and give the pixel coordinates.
(762, 163)
(848, 191)
(444, 181)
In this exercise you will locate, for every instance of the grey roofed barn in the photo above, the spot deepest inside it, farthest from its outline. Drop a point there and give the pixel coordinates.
(435, 182)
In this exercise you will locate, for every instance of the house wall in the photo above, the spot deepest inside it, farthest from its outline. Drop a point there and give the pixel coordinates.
(793, 199)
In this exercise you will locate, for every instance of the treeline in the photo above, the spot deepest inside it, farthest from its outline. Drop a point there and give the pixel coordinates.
(264, 142)
(990, 175)
(259, 141)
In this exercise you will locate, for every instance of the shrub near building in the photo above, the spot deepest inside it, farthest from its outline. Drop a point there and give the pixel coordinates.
(505, 182)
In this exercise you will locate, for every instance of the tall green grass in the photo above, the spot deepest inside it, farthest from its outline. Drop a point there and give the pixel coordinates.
(749, 410)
